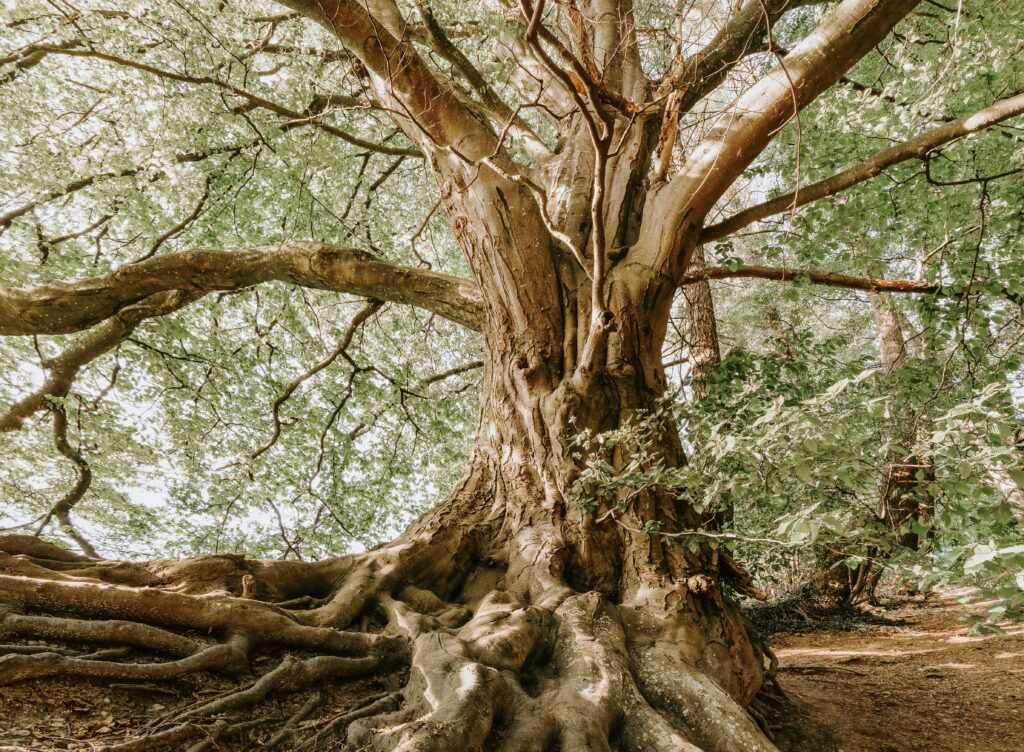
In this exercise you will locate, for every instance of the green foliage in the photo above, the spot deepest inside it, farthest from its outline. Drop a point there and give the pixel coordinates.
(170, 442)
(791, 444)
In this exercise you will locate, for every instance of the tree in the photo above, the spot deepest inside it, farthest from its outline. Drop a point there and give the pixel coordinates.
(527, 620)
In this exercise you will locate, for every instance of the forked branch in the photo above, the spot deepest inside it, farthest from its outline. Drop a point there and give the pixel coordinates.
(844, 36)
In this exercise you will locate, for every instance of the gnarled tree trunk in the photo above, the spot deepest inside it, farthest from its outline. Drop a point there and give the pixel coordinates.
(518, 621)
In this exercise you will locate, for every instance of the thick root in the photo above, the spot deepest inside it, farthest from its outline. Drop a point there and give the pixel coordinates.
(543, 668)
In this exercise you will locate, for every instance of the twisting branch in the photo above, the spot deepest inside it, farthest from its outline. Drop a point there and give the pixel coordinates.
(917, 147)
(62, 509)
(62, 371)
(370, 308)
(61, 307)
(63, 368)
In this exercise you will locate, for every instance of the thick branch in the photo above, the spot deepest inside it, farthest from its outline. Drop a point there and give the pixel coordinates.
(916, 147)
(64, 367)
(494, 104)
(845, 35)
(428, 111)
(61, 307)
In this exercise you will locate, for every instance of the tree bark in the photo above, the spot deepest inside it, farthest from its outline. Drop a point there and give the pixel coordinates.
(521, 621)
(702, 327)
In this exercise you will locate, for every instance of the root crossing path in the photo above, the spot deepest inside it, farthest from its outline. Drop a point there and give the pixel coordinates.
(927, 684)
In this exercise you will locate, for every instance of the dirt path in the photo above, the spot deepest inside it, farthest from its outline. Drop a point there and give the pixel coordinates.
(929, 684)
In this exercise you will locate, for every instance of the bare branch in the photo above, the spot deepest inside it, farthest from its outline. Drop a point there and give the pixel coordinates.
(371, 307)
(835, 279)
(917, 147)
(181, 226)
(61, 307)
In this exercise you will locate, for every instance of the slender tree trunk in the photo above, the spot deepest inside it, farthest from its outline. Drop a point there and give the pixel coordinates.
(702, 327)
(903, 494)
(704, 354)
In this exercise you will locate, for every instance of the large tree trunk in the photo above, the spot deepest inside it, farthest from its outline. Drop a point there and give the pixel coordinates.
(521, 622)
(525, 623)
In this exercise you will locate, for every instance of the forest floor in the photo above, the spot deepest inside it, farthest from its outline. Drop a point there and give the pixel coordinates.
(907, 679)
(924, 682)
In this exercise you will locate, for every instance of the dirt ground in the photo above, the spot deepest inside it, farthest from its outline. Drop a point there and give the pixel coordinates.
(927, 684)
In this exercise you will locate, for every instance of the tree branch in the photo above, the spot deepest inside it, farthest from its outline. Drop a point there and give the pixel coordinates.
(835, 279)
(456, 371)
(63, 368)
(916, 147)
(830, 279)
(73, 187)
(62, 509)
(494, 104)
(429, 112)
(61, 307)
(844, 36)
(254, 100)
(371, 307)
(697, 75)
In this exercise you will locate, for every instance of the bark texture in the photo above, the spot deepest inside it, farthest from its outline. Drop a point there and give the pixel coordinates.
(514, 619)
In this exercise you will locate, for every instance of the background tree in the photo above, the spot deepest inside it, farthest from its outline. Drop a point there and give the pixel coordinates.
(577, 152)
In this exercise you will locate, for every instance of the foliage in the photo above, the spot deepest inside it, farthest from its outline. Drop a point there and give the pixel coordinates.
(799, 424)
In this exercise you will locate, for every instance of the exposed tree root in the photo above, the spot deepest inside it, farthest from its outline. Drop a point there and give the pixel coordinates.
(537, 667)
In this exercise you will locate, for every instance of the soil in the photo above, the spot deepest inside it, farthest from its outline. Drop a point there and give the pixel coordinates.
(924, 683)
(86, 714)
(906, 679)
